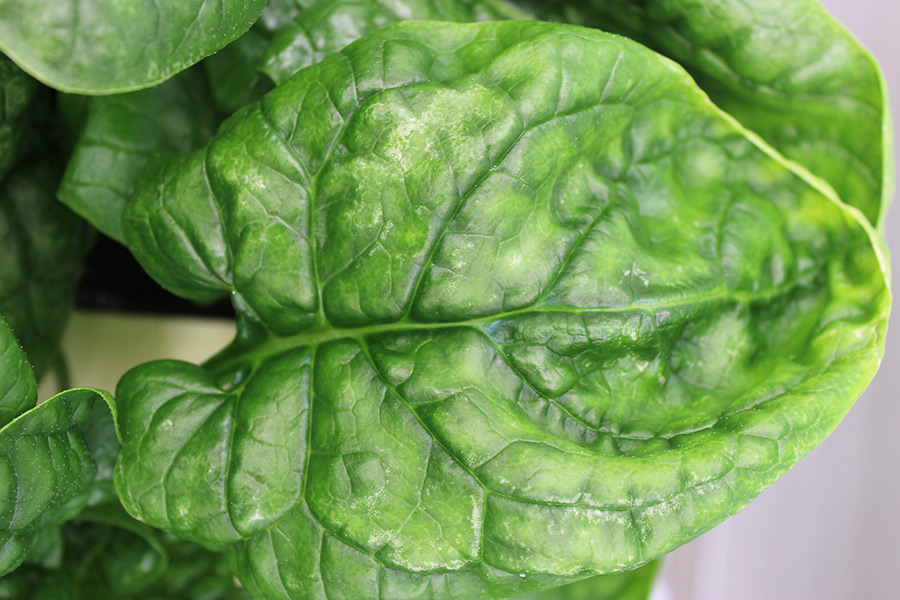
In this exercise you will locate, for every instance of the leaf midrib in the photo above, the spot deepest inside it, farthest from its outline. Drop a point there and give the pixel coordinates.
(323, 334)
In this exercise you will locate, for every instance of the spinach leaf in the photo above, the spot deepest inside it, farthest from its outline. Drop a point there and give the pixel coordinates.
(517, 303)
(787, 70)
(44, 245)
(48, 466)
(43, 242)
(121, 133)
(18, 388)
(234, 75)
(16, 92)
(107, 554)
(108, 46)
(329, 25)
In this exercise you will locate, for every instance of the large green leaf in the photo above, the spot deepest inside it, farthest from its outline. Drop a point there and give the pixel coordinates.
(49, 467)
(119, 136)
(109, 46)
(784, 68)
(517, 303)
(122, 132)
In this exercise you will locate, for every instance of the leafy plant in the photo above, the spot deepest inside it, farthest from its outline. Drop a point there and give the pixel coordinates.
(521, 306)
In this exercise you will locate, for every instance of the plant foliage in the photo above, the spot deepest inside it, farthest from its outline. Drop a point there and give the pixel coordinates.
(521, 306)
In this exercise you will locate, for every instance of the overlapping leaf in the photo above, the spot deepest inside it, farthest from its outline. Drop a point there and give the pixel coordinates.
(111, 46)
(518, 305)
(119, 136)
(44, 245)
(786, 70)
(329, 25)
(122, 132)
(18, 388)
(53, 459)
(106, 554)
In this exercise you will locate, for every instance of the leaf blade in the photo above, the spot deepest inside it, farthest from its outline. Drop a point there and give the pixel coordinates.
(131, 46)
(581, 321)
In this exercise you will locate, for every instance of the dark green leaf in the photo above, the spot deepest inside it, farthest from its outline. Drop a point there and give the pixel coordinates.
(121, 133)
(46, 549)
(109, 555)
(47, 470)
(16, 91)
(234, 75)
(787, 70)
(18, 388)
(518, 305)
(42, 242)
(110, 46)
(44, 245)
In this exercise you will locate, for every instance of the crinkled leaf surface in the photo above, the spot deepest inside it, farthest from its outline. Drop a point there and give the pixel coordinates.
(290, 36)
(121, 133)
(329, 25)
(48, 471)
(44, 245)
(518, 305)
(109, 46)
(785, 69)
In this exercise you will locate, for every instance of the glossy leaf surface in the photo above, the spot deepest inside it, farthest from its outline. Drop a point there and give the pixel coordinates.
(785, 69)
(123, 131)
(110, 46)
(48, 470)
(517, 305)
